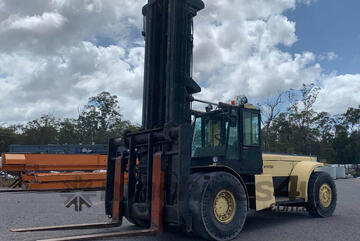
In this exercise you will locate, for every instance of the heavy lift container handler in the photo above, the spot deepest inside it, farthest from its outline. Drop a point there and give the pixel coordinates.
(202, 177)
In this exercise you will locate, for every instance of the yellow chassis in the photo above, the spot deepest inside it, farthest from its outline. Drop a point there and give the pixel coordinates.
(297, 168)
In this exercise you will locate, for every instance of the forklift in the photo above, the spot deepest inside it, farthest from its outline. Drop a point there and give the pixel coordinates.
(212, 161)
(197, 171)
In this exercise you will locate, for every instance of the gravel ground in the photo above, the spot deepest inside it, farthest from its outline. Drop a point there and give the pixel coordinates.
(41, 209)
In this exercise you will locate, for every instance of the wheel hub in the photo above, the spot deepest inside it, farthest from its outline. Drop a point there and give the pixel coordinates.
(325, 195)
(224, 206)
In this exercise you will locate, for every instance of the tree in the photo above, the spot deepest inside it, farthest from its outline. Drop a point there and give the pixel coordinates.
(301, 115)
(352, 118)
(292, 130)
(68, 132)
(325, 126)
(101, 119)
(98, 121)
(270, 108)
(7, 136)
(41, 131)
(346, 143)
(302, 130)
(281, 135)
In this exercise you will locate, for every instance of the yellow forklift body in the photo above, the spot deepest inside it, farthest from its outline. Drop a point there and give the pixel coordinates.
(297, 168)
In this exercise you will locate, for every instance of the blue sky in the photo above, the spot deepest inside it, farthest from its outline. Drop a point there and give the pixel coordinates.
(329, 26)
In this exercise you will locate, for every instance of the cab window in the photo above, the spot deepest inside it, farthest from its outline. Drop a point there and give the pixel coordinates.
(213, 135)
(251, 129)
(210, 133)
(233, 143)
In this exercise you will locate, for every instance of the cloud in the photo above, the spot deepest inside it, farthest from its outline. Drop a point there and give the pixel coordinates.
(307, 2)
(62, 84)
(44, 23)
(338, 93)
(52, 56)
(56, 54)
(329, 56)
(245, 51)
(44, 27)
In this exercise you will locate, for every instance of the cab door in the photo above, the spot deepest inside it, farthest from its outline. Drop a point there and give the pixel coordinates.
(250, 141)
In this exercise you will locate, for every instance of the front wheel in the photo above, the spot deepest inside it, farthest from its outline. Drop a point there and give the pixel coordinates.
(321, 194)
(219, 205)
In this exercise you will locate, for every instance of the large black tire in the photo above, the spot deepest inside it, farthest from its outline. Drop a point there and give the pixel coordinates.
(203, 192)
(315, 207)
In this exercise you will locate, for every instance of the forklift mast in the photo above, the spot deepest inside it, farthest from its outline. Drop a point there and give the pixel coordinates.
(168, 61)
(166, 121)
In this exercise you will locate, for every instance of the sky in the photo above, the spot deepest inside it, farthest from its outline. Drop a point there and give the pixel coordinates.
(55, 54)
(329, 26)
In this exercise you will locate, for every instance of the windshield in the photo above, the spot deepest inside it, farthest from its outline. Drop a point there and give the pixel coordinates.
(210, 135)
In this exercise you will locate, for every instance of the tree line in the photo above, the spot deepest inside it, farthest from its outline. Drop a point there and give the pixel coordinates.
(291, 125)
(99, 120)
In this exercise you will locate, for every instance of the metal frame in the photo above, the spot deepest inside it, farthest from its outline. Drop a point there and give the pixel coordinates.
(52, 162)
(157, 204)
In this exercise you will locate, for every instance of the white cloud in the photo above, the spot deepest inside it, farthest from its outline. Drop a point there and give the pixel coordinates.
(61, 84)
(237, 50)
(56, 54)
(332, 56)
(51, 60)
(328, 56)
(43, 27)
(44, 23)
(307, 2)
(338, 93)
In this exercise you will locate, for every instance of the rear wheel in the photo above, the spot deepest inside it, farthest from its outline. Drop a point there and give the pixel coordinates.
(321, 194)
(219, 205)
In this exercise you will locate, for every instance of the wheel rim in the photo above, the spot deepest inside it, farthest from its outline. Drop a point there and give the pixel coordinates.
(325, 195)
(224, 206)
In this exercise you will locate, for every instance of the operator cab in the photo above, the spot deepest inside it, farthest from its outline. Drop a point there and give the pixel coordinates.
(228, 137)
